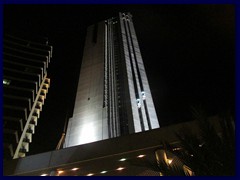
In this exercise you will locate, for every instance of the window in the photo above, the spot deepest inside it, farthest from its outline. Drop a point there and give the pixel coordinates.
(143, 95)
(138, 103)
(6, 81)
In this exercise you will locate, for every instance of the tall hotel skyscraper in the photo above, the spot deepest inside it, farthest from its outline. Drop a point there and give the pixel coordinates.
(113, 96)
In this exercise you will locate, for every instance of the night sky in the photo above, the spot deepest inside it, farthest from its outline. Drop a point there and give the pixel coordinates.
(188, 52)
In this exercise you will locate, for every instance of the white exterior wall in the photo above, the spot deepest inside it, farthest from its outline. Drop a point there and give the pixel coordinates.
(88, 123)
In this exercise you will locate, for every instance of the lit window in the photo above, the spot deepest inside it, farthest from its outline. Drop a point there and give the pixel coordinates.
(176, 149)
(143, 95)
(6, 81)
(138, 103)
(103, 172)
(141, 156)
(74, 169)
(123, 159)
(201, 145)
(120, 168)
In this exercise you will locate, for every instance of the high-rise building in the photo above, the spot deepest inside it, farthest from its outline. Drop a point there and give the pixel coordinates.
(113, 95)
(25, 85)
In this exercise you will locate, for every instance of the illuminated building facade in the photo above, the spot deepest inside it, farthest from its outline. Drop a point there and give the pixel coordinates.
(133, 155)
(113, 95)
(25, 85)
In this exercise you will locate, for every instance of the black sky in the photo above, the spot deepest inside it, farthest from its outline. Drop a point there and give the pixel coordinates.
(188, 52)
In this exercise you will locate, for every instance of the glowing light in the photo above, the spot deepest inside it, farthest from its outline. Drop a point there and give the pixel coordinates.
(90, 174)
(120, 168)
(169, 161)
(201, 145)
(74, 169)
(6, 81)
(141, 156)
(123, 159)
(44, 174)
(143, 95)
(60, 172)
(88, 132)
(103, 172)
(138, 103)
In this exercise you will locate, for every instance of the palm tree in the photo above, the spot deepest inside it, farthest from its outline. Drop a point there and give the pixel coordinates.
(210, 152)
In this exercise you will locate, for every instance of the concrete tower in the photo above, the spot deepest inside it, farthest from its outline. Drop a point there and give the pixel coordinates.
(113, 96)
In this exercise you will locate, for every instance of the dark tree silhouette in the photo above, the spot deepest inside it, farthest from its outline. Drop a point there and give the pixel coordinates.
(209, 153)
